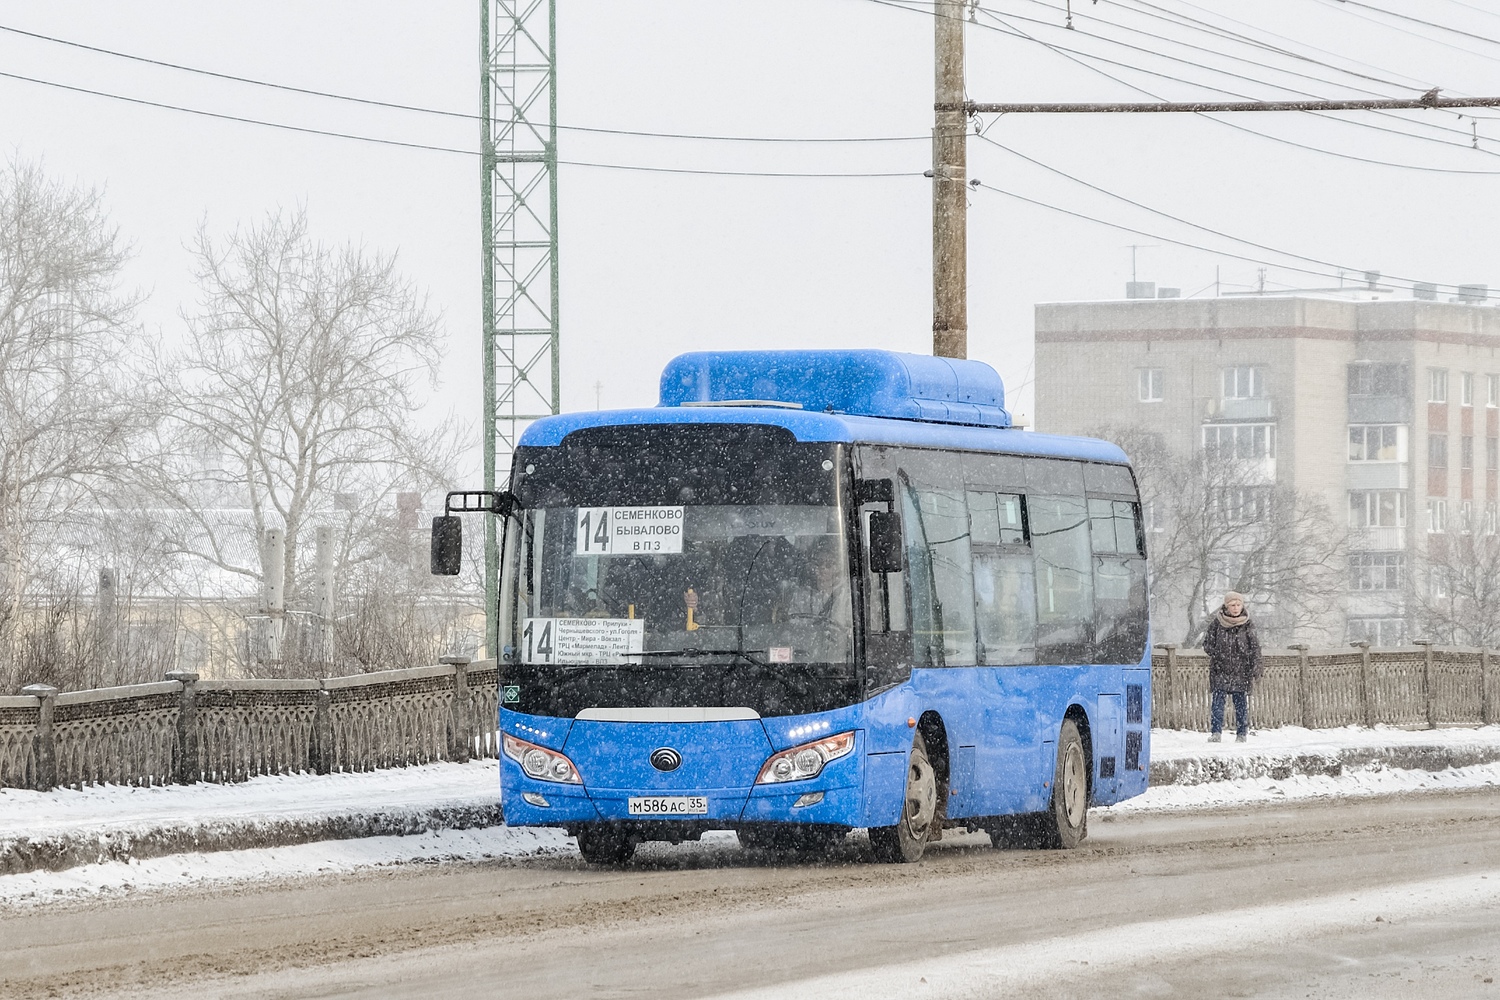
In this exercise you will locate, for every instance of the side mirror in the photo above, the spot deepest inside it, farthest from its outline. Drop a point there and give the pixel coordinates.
(887, 554)
(447, 546)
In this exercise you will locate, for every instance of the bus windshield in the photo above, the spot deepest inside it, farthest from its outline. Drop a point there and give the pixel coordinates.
(764, 584)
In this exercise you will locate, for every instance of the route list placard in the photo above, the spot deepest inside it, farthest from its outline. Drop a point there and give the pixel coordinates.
(628, 531)
(581, 640)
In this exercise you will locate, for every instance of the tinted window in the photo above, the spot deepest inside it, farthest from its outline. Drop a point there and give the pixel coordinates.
(1064, 577)
(1114, 479)
(926, 623)
(1119, 582)
(946, 523)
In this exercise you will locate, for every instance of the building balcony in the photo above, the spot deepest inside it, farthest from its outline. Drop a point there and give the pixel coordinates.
(1379, 475)
(1377, 539)
(1252, 408)
(1379, 410)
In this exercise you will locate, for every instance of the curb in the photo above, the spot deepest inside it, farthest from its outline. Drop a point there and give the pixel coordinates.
(1280, 766)
(127, 843)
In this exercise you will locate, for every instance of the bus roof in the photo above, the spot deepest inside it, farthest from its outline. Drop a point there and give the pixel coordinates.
(805, 426)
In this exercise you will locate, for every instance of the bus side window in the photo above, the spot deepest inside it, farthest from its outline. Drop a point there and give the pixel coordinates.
(945, 520)
(1004, 579)
(1119, 581)
(925, 610)
(1064, 578)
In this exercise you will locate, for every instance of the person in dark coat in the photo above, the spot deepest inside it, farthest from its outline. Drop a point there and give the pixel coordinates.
(1233, 665)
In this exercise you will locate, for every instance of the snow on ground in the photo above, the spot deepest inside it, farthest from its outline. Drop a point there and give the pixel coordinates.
(1173, 744)
(37, 814)
(121, 879)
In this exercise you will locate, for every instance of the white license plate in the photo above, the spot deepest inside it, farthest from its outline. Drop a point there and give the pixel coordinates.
(668, 805)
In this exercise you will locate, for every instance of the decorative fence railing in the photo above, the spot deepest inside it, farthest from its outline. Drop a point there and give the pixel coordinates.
(183, 729)
(1414, 686)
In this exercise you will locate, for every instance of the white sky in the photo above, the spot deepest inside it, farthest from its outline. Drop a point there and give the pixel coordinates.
(655, 264)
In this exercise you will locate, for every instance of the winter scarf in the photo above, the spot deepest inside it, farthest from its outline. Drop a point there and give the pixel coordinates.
(1233, 621)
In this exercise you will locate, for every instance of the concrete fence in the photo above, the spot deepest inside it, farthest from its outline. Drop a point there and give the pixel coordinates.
(1412, 686)
(184, 729)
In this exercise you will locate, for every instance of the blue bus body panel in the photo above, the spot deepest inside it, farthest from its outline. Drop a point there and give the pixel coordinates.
(866, 382)
(719, 760)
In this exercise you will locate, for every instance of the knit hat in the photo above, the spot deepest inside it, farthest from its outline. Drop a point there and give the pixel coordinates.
(1234, 596)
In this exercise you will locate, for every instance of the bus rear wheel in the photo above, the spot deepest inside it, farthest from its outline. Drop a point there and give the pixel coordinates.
(1067, 820)
(905, 842)
(602, 845)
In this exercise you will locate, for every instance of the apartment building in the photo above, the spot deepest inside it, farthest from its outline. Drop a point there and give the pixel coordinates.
(1386, 407)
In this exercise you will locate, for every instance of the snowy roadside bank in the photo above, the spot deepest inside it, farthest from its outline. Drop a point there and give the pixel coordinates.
(64, 828)
(286, 825)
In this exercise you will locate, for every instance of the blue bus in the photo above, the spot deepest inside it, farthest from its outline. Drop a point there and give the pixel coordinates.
(814, 591)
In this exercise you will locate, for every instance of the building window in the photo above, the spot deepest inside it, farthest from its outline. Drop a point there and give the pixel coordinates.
(1437, 516)
(1377, 443)
(1466, 451)
(1244, 382)
(1377, 508)
(1368, 378)
(1494, 381)
(1437, 451)
(1437, 385)
(1489, 518)
(1378, 631)
(1377, 571)
(1466, 516)
(1148, 385)
(1240, 440)
(1492, 453)
(1466, 389)
(1243, 504)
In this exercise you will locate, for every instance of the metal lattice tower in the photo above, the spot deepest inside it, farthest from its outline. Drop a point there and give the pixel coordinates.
(518, 195)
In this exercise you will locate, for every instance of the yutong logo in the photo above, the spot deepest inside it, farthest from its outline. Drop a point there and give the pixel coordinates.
(666, 759)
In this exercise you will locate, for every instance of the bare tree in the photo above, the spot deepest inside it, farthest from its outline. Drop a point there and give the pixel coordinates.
(1455, 596)
(294, 402)
(70, 404)
(1220, 522)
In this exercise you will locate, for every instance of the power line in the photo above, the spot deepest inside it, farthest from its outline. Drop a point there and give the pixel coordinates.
(1211, 69)
(1170, 217)
(461, 115)
(439, 149)
(1417, 20)
(1167, 239)
(1069, 56)
(1200, 107)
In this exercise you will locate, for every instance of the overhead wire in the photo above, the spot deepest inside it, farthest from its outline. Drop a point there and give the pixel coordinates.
(1322, 273)
(1174, 218)
(1083, 61)
(462, 115)
(1198, 65)
(241, 119)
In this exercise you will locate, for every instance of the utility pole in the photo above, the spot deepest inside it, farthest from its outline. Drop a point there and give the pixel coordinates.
(518, 243)
(950, 249)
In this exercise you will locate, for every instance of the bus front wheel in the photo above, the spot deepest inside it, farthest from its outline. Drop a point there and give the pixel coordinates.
(905, 842)
(1068, 818)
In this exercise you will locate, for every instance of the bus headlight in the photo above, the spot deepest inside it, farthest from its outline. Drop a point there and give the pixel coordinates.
(539, 762)
(805, 761)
